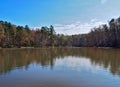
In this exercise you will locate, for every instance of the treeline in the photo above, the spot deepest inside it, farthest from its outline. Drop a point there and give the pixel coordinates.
(107, 35)
(17, 36)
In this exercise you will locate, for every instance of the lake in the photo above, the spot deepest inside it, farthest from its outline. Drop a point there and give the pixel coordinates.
(60, 67)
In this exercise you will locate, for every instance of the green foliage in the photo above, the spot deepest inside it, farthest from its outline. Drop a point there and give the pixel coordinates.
(17, 36)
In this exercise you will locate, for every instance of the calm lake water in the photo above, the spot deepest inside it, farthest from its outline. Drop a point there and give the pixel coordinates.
(60, 67)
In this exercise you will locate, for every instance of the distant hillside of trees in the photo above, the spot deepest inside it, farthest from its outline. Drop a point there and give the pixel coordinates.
(17, 36)
(22, 36)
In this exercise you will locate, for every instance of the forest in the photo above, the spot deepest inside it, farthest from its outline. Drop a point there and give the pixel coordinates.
(106, 35)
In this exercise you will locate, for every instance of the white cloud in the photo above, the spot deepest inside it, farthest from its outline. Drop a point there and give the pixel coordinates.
(103, 1)
(77, 27)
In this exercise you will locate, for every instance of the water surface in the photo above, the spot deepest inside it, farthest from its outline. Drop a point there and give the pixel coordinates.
(60, 67)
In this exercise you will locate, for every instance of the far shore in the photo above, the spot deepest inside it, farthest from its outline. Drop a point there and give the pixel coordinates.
(22, 47)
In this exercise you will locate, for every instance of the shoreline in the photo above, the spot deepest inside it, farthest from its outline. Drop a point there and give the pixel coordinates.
(58, 47)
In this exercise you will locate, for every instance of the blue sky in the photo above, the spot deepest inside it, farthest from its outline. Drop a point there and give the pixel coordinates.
(68, 16)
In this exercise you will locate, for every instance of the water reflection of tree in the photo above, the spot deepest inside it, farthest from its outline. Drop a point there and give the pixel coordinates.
(19, 58)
